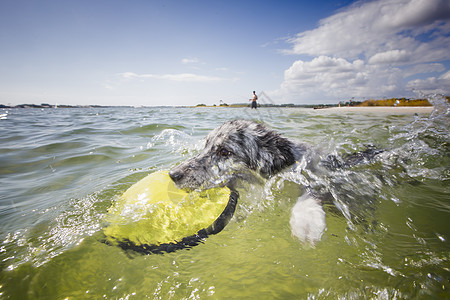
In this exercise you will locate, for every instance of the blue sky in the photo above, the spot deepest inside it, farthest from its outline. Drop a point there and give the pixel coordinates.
(190, 52)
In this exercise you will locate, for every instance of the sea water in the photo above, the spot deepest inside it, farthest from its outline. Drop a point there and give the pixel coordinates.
(388, 220)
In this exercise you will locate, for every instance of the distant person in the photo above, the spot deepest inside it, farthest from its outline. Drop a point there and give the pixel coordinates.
(254, 105)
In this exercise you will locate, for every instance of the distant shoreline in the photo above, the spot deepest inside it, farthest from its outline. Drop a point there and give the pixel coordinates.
(397, 109)
(382, 109)
(45, 105)
(394, 104)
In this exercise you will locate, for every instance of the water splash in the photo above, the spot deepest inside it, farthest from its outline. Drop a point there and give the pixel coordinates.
(51, 237)
(422, 147)
(178, 141)
(415, 152)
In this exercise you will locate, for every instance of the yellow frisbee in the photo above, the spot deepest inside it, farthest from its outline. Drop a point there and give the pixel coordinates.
(153, 215)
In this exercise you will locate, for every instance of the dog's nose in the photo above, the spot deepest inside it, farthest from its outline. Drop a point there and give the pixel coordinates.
(175, 175)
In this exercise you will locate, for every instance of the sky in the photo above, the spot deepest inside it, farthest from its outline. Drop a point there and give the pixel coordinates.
(179, 52)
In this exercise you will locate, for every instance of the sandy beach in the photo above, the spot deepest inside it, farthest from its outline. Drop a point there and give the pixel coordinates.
(383, 109)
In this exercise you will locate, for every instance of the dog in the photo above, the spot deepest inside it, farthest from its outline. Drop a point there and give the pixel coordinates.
(247, 150)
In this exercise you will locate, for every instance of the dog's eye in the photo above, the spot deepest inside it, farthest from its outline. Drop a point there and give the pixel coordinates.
(224, 152)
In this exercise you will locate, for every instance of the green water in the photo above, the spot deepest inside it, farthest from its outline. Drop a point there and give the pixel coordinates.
(387, 233)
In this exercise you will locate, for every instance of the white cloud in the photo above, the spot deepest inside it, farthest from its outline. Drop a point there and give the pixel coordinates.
(182, 77)
(364, 50)
(190, 60)
(435, 85)
(129, 75)
(188, 77)
(368, 27)
(327, 78)
(390, 57)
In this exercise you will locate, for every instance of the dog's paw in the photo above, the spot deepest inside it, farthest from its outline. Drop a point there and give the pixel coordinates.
(308, 219)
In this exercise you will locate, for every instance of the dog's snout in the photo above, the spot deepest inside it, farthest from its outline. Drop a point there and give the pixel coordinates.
(176, 175)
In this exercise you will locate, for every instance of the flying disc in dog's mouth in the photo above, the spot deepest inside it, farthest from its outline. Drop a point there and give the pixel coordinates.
(154, 215)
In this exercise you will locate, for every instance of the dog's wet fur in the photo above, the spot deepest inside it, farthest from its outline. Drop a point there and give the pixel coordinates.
(237, 149)
(247, 150)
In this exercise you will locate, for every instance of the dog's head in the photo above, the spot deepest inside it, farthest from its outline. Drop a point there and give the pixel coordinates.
(237, 149)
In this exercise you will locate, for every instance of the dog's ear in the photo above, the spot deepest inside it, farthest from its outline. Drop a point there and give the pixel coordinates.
(285, 155)
(277, 153)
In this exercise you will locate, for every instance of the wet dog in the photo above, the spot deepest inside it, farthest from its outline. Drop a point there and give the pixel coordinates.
(246, 150)
(235, 150)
